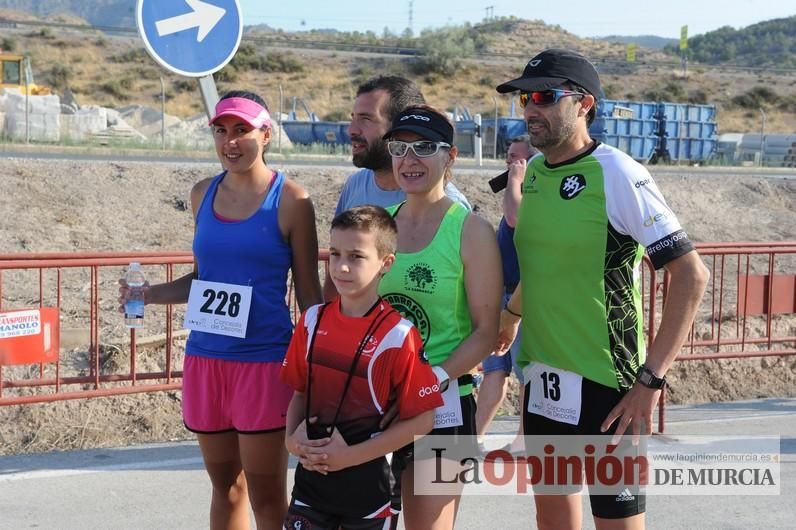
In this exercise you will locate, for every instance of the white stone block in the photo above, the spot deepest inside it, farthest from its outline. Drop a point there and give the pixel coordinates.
(42, 127)
(36, 104)
(77, 127)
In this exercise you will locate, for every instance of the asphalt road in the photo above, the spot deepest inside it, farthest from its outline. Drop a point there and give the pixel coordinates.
(340, 161)
(165, 486)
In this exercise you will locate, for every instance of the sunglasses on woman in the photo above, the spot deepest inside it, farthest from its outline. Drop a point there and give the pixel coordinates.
(421, 148)
(543, 98)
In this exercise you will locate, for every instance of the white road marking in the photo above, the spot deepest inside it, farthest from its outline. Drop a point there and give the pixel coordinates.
(755, 416)
(130, 466)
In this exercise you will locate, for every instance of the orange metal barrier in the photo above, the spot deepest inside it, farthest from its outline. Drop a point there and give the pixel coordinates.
(744, 313)
(97, 295)
(55, 381)
(749, 307)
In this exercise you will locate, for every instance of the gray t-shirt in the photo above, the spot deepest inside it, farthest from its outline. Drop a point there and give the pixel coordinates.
(361, 188)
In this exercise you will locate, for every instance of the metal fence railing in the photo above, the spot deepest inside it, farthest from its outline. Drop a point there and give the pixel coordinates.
(748, 311)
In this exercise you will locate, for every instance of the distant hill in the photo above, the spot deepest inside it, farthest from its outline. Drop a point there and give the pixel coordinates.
(768, 44)
(645, 41)
(264, 28)
(114, 13)
(457, 67)
(771, 43)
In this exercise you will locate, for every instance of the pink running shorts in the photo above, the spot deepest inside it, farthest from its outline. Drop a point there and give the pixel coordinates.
(246, 397)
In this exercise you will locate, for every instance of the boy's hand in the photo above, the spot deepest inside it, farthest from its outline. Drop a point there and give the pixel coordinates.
(333, 456)
(298, 443)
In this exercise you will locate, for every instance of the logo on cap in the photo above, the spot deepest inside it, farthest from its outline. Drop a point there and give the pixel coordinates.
(534, 62)
(415, 117)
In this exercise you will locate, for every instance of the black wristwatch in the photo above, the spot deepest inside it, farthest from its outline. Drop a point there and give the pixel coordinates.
(649, 379)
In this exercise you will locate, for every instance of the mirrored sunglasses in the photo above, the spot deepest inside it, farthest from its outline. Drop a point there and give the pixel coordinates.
(546, 97)
(422, 148)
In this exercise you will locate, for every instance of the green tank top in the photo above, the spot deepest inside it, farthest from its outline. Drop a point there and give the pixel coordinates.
(427, 288)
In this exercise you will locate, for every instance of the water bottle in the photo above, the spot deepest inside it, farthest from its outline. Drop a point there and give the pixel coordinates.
(134, 307)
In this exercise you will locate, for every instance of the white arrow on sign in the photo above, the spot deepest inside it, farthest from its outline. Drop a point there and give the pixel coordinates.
(204, 16)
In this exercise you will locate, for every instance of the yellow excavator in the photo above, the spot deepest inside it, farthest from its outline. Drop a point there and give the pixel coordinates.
(15, 71)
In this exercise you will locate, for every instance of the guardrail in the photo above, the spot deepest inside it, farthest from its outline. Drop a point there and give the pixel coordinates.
(749, 307)
(745, 312)
(55, 381)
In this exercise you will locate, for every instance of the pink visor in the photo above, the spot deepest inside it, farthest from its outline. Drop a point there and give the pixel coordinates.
(249, 111)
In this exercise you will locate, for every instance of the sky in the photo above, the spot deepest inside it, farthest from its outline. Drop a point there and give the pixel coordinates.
(584, 18)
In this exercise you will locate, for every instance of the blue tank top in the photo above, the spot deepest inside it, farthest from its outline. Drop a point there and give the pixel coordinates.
(508, 254)
(247, 252)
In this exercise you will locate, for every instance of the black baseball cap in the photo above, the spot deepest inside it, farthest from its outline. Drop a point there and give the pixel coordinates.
(553, 68)
(426, 123)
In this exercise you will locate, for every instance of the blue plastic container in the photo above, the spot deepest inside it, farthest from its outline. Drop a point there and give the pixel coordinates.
(672, 129)
(317, 132)
(644, 127)
(699, 129)
(510, 128)
(638, 147)
(330, 132)
(641, 147)
(465, 127)
(646, 110)
(463, 138)
(621, 126)
(299, 132)
(507, 129)
(702, 113)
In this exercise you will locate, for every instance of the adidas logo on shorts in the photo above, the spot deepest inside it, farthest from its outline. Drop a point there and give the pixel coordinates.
(625, 496)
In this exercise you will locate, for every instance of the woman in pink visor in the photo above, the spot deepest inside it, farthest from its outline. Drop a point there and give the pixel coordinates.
(252, 227)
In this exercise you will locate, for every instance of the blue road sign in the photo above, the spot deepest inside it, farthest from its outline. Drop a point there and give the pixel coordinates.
(193, 38)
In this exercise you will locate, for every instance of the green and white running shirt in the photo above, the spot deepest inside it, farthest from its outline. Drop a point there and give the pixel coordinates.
(581, 232)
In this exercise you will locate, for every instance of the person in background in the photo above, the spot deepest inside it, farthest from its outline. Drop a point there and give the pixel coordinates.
(587, 214)
(252, 226)
(378, 101)
(497, 367)
(447, 280)
(348, 362)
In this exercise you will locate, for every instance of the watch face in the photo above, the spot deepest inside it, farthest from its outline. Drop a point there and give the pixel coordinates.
(648, 379)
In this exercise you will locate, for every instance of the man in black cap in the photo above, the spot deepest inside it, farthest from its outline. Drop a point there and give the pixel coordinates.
(588, 212)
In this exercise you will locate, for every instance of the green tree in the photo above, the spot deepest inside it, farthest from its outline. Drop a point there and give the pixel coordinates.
(443, 50)
(758, 97)
(8, 44)
(767, 43)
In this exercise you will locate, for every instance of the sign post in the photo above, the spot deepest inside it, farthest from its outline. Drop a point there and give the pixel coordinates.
(684, 49)
(193, 38)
